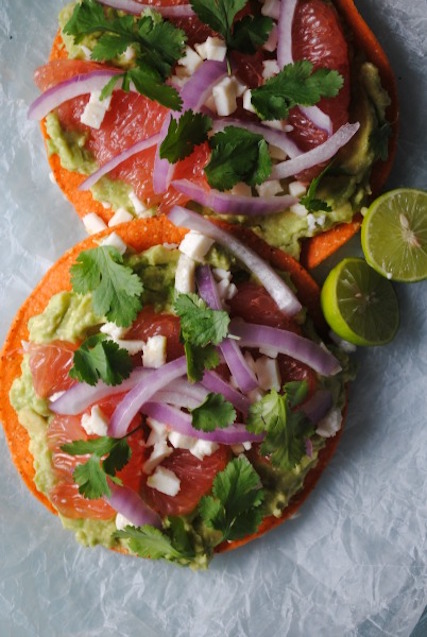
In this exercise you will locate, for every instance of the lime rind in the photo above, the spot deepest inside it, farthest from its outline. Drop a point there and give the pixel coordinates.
(394, 235)
(359, 305)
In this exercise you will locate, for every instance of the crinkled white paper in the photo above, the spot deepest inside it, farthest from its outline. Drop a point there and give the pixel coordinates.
(354, 562)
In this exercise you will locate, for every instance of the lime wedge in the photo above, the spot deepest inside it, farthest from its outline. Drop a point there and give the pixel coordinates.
(394, 235)
(360, 305)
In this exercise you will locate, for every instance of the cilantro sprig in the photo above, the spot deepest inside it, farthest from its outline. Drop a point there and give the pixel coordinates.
(237, 155)
(296, 84)
(107, 456)
(285, 429)
(99, 358)
(157, 44)
(116, 290)
(184, 134)
(310, 201)
(214, 412)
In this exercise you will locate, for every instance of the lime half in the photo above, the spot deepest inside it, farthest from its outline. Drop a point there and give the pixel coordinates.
(360, 305)
(394, 235)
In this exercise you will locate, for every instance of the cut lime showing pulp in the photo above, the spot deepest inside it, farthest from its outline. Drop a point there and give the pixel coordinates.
(394, 235)
(360, 305)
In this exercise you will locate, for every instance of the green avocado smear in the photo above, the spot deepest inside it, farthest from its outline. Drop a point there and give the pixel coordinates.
(249, 488)
(343, 190)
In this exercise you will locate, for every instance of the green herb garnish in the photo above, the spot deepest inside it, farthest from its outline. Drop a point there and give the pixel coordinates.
(213, 413)
(99, 358)
(184, 135)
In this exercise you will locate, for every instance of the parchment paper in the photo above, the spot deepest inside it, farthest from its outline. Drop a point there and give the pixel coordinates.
(354, 561)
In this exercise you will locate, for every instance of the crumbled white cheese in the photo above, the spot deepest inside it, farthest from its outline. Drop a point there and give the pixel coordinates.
(180, 441)
(114, 241)
(132, 346)
(195, 245)
(120, 216)
(311, 222)
(198, 448)
(225, 95)
(247, 101)
(165, 481)
(161, 450)
(128, 55)
(271, 8)
(241, 448)
(93, 223)
(276, 152)
(185, 275)
(212, 49)
(115, 331)
(96, 422)
(297, 188)
(269, 188)
(158, 432)
(220, 273)
(299, 209)
(190, 61)
(94, 111)
(154, 351)
(122, 522)
(226, 289)
(270, 69)
(241, 190)
(141, 210)
(330, 424)
(267, 372)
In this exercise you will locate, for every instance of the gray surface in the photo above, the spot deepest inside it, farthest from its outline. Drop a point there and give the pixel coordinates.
(353, 563)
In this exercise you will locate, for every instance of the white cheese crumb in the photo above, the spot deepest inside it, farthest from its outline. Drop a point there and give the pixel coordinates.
(311, 222)
(158, 432)
(268, 374)
(276, 152)
(180, 441)
(269, 188)
(115, 241)
(161, 450)
(115, 331)
(271, 8)
(225, 95)
(247, 101)
(220, 273)
(154, 351)
(299, 210)
(93, 223)
(165, 481)
(330, 424)
(297, 188)
(96, 422)
(270, 69)
(198, 448)
(141, 210)
(120, 216)
(122, 522)
(241, 448)
(133, 347)
(128, 55)
(185, 275)
(241, 190)
(212, 49)
(94, 111)
(195, 245)
(190, 61)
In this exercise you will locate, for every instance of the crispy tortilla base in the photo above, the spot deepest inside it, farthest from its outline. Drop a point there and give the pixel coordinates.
(316, 249)
(139, 235)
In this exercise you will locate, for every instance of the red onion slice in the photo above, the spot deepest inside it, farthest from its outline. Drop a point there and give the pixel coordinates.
(74, 87)
(193, 94)
(214, 383)
(271, 135)
(132, 506)
(181, 422)
(240, 370)
(273, 283)
(316, 407)
(119, 159)
(317, 155)
(302, 349)
(130, 6)
(127, 409)
(228, 204)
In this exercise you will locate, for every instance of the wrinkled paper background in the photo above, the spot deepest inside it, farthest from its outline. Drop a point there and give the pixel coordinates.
(354, 562)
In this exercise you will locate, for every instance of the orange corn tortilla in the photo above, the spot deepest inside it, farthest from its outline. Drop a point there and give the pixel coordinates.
(140, 235)
(315, 249)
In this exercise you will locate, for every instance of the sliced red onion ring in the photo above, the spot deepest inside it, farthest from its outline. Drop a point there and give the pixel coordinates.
(181, 393)
(318, 117)
(228, 204)
(317, 155)
(181, 422)
(119, 159)
(142, 392)
(214, 383)
(74, 87)
(130, 6)
(81, 395)
(240, 370)
(132, 506)
(193, 94)
(316, 407)
(272, 136)
(273, 283)
(285, 342)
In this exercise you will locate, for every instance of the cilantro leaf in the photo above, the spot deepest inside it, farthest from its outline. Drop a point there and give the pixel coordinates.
(119, 456)
(172, 544)
(115, 288)
(378, 140)
(310, 201)
(184, 134)
(214, 412)
(148, 84)
(237, 155)
(218, 14)
(250, 33)
(296, 84)
(233, 509)
(199, 359)
(92, 479)
(100, 359)
(199, 324)
(285, 429)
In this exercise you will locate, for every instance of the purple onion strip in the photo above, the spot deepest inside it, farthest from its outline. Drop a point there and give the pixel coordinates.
(214, 383)
(132, 506)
